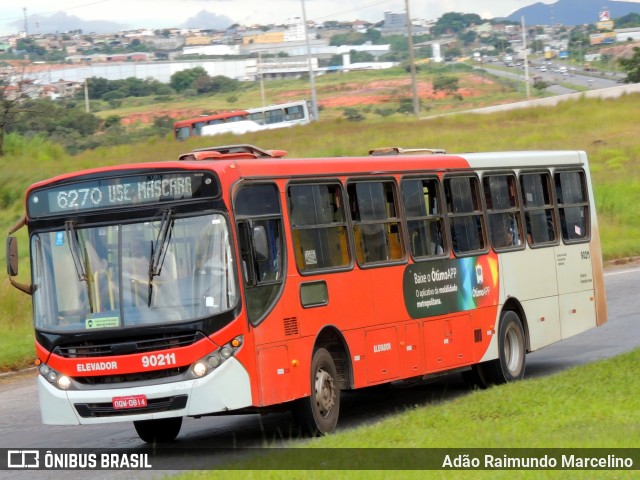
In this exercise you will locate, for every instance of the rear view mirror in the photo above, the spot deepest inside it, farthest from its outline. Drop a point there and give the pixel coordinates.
(12, 256)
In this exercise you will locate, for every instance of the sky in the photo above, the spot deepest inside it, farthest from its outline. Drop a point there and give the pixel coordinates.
(133, 14)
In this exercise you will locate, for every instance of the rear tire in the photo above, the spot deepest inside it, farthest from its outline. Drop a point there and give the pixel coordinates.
(510, 365)
(318, 414)
(158, 431)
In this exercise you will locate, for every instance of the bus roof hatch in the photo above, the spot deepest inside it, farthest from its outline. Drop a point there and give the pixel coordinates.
(405, 151)
(227, 152)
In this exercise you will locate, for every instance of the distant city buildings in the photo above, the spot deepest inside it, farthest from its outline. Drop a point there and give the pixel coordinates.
(268, 52)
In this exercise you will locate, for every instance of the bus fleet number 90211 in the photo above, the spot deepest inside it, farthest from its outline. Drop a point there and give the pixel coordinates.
(159, 360)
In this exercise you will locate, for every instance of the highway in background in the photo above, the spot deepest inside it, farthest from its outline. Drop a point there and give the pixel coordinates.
(560, 81)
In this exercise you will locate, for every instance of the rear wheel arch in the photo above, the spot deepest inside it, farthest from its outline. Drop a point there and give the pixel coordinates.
(512, 304)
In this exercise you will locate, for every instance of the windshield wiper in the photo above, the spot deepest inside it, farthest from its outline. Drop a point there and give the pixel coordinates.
(76, 254)
(79, 260)
(159, 249)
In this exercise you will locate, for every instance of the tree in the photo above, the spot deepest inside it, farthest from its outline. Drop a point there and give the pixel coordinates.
(540, 85)
(349, 38)
(454, 22)
(468, 37)
(15, 90)
(631, 66)
(184, 79)
(353, 115)
(447, 84)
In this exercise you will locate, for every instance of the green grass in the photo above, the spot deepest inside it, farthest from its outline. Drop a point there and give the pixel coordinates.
(590, 406)
(606, 129)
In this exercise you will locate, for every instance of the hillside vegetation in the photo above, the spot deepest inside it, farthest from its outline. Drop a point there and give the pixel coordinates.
(606, 129)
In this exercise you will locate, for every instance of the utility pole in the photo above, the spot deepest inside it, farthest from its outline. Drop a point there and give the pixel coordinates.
(312, 81)
(262, 97)
(412, 65)
(86, 96)
(26, 25)
(526, 59)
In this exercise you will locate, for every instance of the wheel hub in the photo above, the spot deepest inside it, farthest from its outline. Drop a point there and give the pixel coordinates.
(325, 392)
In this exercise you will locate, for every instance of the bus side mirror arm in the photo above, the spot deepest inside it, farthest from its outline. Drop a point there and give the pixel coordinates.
(12, 258)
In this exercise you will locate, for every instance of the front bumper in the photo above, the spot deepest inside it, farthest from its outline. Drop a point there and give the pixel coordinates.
(226, 388)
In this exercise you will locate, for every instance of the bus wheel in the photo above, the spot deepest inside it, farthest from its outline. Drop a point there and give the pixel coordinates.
(510, 366)
(318, 413)
(160, 430)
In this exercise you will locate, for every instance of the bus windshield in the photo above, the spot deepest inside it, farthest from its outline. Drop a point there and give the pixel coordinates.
(154, 272)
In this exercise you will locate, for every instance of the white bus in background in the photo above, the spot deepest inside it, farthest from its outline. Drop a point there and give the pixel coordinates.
(265, 118)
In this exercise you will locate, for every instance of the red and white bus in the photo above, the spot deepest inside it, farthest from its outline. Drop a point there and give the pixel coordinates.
(236, 280)
(184, 129)
(244, 121)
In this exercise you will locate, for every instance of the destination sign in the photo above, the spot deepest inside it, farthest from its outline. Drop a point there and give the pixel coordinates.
(121, 192)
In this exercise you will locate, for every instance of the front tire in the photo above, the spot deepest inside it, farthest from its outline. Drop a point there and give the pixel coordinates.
(158, 431)
(318, 413)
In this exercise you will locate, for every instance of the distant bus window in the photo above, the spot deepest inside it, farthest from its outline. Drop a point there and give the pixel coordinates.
(376, 225)
(503, 206)
(465, 214)
(258, 117)
(274, 116)
(425, 221)
(294, 113)
(319, 226)
(538, 207)
(197, 127)
(182, 133)
(573, 206)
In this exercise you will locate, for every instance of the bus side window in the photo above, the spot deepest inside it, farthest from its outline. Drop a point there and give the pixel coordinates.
(293, 113)
(376, 225)
(503, 207)
(425, 221)
(573, 206)
(274, 116)
(539, 209)
(319, 226)
(465, 214)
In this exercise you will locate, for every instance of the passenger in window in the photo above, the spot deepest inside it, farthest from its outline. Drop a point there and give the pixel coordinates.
(513, 237)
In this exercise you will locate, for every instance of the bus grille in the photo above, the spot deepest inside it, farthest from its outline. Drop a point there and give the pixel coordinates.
(154, 405)
(102, 380)
(104, 348)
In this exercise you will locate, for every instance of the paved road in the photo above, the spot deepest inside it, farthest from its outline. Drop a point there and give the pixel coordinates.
(20, 425)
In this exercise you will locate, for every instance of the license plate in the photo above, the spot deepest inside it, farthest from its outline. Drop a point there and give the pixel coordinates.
(132, 401)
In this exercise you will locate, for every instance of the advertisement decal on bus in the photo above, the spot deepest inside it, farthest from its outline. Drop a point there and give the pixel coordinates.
(450, 285)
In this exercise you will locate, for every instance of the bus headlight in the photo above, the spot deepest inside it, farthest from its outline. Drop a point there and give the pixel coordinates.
(55, 378)
(64, 382)
(208, 364)
(200, 369)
